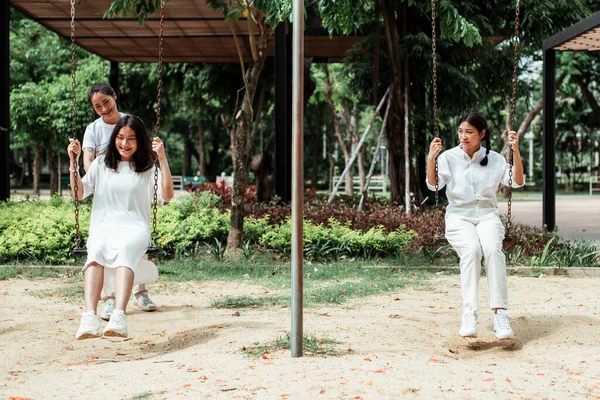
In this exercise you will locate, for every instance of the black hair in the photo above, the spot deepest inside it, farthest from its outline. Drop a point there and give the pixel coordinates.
(144, 158)
(479, 122)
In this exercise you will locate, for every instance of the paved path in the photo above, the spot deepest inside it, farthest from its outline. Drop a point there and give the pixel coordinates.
(577, 216)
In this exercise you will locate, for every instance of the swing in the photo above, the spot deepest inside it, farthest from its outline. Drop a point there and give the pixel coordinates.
(153, 248)
(507, 237)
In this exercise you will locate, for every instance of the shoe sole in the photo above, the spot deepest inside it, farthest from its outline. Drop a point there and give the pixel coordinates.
(115, 334)
(469, 336)
(89, 336)
(105, 317)
(148, 309)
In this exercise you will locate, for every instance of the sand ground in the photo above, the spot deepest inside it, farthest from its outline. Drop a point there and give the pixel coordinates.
(398, 345)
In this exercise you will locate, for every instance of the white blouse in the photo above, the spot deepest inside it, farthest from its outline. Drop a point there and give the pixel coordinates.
(469, 182)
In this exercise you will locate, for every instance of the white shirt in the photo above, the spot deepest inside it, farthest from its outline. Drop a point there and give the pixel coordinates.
(469, 182)
(122, 197)
(97, 135)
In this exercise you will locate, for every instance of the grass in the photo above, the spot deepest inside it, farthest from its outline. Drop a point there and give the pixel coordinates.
(142, 396)
(312, 345)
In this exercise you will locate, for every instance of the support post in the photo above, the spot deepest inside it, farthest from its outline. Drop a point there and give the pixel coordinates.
(297, 179)
(113, 77)
(283, 111)
(5, 103)
(549, 174)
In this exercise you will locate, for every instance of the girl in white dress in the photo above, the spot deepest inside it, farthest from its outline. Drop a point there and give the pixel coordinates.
(472, 174)
(122, 180)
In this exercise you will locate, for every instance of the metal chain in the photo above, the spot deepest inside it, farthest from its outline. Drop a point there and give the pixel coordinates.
(435, 116)
(75, 166)
(512, 118)
(157, 128)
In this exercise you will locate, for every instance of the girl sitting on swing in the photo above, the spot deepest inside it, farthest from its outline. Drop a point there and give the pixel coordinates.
(472, 174)
(122, 181)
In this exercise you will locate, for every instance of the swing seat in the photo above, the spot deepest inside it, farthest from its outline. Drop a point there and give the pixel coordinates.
(441, 239)
(79, 252)
(152, 250)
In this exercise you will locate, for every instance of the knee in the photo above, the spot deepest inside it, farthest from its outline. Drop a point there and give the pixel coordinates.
(471, 252)
(490, 252)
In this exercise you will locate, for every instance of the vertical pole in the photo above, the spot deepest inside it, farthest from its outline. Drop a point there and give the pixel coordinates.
(297, 177)
(113, 77)
(283, 110)
(549, 186)
(5, 103)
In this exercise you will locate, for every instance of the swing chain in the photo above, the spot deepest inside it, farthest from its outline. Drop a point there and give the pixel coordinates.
(512, 117)
(157, 129)
(435, 116)
(74, 125)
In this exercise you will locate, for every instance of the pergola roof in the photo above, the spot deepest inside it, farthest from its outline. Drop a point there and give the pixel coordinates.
(584, 35)
(193, 32)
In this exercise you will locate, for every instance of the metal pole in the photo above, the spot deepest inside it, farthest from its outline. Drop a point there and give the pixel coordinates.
(549, 141)
(297, 176)
(4, 103)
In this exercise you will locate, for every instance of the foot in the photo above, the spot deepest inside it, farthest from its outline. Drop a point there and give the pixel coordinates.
(109, 307)
(117, 325)
(468, 326)
(89, 327)
(501, 325)
(143, 300)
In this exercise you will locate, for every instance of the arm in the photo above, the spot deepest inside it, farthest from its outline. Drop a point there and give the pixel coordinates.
(518, 177)
(74, 150)
(167, 189)
(434, 150)
(88, 156)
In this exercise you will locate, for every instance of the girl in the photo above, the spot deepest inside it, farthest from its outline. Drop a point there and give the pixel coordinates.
(103, 100)
(472, 175)
(122, 180)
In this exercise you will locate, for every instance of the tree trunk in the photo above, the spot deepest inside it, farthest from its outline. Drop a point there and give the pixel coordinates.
(201, 151)
(51, 170)
(231, 133)
(406, 139)
(37, 168)
(185, 165)
(336, 127)
(240, 167)
(263, 166)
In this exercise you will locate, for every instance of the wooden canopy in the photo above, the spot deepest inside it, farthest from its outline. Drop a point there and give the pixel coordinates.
(582, 36)
(193, 32)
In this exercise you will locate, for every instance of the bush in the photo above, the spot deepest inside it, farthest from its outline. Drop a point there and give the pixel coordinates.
(321, 242)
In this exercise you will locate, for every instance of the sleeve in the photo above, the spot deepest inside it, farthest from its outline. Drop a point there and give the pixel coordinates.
(506, 176)
(90, 179)
(443, 173)
(89, 138)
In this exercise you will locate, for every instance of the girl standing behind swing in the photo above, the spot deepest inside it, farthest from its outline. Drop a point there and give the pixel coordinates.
(122, 180)
(472, 174)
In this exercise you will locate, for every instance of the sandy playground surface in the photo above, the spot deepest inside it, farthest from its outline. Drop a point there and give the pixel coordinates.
(403, 345)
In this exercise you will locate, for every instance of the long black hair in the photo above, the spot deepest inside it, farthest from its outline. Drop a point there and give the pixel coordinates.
(479, 122)
(144, 158)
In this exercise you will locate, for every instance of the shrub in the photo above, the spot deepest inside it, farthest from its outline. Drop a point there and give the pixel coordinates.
(321, 242)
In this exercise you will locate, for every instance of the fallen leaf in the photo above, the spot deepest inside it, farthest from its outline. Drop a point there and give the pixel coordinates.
(367, 359)
(265, 356)
(192, 370)
(351, 309)
(187, 385)
(489, 380)
(379, 371)
(369, 383)
(92, 358)
(71, 319)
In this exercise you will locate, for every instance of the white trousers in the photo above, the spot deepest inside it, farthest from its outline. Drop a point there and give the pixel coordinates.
(476, 231)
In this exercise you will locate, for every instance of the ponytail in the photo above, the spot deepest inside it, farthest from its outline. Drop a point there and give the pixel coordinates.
(484, 162)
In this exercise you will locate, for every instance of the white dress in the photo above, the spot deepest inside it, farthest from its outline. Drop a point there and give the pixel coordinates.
(120, 221)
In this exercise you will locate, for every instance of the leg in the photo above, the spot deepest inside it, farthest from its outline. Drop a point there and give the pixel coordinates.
(123, 285)
(140, 288)
(491, 233)
(462, 236)
(93, 280)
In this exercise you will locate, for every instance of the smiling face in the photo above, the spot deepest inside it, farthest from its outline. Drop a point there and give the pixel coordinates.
(126, 143)
(470, 138)
(106, 107)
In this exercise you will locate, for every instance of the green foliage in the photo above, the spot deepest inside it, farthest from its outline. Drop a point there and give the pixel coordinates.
(346, 16)
(136, 8)
(40, 231)
(338, 240)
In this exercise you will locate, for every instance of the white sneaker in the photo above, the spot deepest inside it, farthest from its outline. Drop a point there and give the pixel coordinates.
(89, 327)
(117, 325)
(143, 300)
(109, 307)
(501, 325)
(468, 326)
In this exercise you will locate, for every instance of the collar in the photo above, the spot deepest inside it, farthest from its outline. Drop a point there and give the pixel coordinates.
(477, 157)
